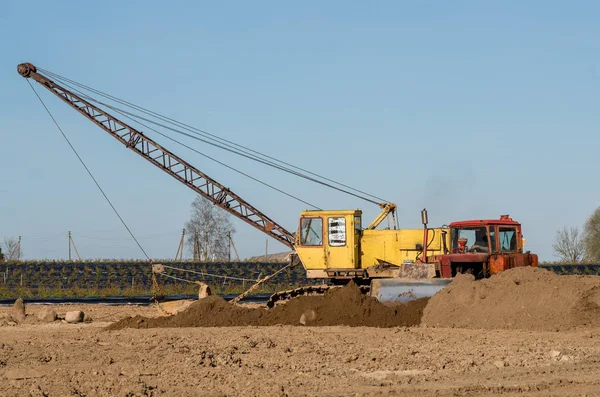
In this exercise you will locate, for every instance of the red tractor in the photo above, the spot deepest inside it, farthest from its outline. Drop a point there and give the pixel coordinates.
(483, 248)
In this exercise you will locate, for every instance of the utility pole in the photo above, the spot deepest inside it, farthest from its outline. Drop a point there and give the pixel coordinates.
(197, 247)
(229, 245)
(71, 242)
(19, 249)
(180, 248)
(266, 248)
(234, 249)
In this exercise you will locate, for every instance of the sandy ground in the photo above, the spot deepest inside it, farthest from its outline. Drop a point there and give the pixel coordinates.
(60, 359)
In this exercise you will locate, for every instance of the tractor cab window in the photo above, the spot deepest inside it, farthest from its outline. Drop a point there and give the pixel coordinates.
(508, 239)
(311, 230)
(470, 239)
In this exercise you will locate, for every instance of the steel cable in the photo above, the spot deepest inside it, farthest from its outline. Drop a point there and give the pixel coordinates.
(89, 172)
(126, 115)
(228, 145)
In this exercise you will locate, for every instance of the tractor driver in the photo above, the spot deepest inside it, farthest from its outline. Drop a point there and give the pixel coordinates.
(481, 241)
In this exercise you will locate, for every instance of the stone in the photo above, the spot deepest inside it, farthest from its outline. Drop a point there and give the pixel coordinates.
(17, 312)
(555, 354)
(75, 316)
(47, 316)
(308, 317)
(499, 364)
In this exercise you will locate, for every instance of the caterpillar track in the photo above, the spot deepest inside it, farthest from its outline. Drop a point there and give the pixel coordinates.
(311, 290)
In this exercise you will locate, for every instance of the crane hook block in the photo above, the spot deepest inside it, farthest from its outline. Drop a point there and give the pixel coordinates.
(25, 69)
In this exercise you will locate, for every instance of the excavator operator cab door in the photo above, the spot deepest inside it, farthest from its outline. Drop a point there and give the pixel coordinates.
(329, 239)
(341, 248)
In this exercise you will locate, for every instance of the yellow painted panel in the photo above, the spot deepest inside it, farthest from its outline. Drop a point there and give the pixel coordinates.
(340, 242)
(363, 248)
(396, 246)
(340, 246)
(312, 258)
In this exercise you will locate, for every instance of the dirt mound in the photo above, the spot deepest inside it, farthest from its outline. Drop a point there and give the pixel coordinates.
(521, 298)
(338, 306)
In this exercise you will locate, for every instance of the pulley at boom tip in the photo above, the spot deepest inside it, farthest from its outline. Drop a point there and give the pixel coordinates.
(25, 69)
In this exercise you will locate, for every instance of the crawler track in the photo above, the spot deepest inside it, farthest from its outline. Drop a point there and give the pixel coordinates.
(311, 290)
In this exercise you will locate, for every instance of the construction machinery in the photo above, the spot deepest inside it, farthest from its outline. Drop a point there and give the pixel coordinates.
(389, 263)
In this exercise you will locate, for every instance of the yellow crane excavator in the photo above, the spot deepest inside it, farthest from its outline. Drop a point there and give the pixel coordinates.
(389, 263)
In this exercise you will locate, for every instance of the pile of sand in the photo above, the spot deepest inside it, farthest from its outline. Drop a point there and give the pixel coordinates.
(521, 298)
(338, 306)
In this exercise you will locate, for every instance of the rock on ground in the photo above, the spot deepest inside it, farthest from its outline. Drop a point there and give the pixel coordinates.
(47, 316)
(17, 312)
(75, 316)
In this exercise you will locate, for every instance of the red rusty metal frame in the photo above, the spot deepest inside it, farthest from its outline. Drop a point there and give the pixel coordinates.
(164, 159)
(504, 220)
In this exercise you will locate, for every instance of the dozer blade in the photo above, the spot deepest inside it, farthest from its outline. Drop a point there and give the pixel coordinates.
(173, 307)
(402, 290)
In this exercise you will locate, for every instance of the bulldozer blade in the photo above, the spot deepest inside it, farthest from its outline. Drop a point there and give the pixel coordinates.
(173, 307)
(399, 290)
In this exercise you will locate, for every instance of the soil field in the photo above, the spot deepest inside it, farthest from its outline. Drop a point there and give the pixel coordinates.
(84, 359)
(132, 351)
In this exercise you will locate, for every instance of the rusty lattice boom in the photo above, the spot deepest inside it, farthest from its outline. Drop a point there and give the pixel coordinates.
(164, 159)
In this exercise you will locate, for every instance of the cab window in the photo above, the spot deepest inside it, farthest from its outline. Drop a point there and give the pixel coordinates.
(476, 238)
(508, 239)
(336, 231)
(311, 231)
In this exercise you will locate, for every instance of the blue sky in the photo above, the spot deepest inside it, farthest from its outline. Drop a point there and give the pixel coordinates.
(472, 109)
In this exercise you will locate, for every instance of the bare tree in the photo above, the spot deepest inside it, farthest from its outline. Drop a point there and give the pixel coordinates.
(12, 246)
(1, 255)
(592, 237)
(208, 230)
(568, 245)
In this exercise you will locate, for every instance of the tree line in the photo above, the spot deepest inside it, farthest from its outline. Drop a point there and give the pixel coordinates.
(575, 244)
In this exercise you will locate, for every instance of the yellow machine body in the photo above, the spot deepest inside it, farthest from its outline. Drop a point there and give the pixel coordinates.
(333, 244)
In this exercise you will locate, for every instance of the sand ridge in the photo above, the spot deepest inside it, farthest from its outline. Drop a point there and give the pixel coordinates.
(338, 306)
(522, 298)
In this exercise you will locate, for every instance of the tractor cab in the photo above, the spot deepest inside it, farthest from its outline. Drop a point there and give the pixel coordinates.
(484, 247)
(486, 236)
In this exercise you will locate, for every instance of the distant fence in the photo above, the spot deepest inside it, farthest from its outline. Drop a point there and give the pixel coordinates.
(579, 268)
(139, 274)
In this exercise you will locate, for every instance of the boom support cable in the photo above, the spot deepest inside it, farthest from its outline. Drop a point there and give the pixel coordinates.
(133, 117)
(136, 118)
(128, 116)
(224, 144)
(89, 172)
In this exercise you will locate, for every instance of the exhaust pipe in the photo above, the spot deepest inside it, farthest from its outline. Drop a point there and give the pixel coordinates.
(425, 220)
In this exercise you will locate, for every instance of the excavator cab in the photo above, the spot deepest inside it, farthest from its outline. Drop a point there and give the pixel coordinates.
(327, 243)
